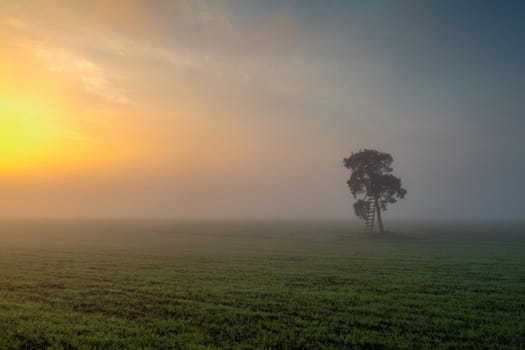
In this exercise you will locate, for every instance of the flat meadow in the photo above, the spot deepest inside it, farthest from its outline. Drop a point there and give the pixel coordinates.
(152, 284)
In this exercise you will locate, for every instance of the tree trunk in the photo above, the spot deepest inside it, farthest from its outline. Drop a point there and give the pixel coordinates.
(379, 220)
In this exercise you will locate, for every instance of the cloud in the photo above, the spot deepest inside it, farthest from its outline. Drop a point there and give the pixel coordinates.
(269, 95)
(93, 78)
(104, 43)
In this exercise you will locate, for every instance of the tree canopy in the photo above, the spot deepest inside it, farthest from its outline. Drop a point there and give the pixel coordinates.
(372, 177)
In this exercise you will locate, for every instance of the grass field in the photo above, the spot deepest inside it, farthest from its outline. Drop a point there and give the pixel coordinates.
(290, 285)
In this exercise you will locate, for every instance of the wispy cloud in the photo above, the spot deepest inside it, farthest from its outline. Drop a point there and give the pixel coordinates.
(94, 79)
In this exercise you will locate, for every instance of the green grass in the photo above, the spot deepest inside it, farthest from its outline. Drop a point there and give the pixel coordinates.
(290, 285)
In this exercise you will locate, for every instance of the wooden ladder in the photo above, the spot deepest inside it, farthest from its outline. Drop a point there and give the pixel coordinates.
(370, 215)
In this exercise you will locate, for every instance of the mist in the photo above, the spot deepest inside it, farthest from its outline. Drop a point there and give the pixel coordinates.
(252, 116)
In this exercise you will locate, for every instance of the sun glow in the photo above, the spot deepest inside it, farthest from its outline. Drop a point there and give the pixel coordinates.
(32, 136)
(32, 133)
(43, 123)
(37, 137)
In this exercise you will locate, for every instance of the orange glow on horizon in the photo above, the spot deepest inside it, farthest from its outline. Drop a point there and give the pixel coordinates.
(44, 124)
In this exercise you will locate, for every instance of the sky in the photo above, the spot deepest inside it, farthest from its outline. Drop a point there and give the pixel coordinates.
(246, 109)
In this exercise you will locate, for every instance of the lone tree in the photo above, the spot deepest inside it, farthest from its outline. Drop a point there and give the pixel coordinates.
(372, 178)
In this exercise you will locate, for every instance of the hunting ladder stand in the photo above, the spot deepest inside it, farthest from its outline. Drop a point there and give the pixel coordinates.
(370, 215)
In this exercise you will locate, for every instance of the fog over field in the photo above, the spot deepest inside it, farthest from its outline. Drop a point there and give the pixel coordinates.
(263, 174)
(260, 284)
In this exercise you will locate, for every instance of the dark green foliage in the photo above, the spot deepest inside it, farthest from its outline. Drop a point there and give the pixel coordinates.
(268, 285)
(361, 208)
(372, 177)
(366, 166)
